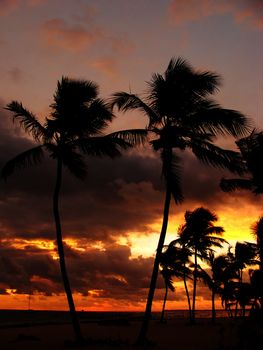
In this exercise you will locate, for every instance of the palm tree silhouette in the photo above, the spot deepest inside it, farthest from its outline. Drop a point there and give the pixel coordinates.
(168, 281)
(197, 233)
(184, 254)
(75, 128)
(257, 230)
(218, 276)
(182, 116)
(173, 264)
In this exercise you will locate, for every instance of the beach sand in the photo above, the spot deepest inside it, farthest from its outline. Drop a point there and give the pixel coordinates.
(177, 334)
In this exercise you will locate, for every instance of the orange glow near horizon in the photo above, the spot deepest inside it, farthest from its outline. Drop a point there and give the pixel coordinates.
(140, 245)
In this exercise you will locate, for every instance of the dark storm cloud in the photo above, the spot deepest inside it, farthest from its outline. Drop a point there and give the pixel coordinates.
(111, 271)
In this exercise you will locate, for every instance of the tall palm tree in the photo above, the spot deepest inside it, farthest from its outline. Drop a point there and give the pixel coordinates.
(182, 116)
(74, 128)
(200, 234)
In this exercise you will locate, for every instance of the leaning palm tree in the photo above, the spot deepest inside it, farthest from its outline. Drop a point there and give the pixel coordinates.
(173, 264)
(184, 254)
(74, 128)
(201, 235)
(182, 116)
(168, 281)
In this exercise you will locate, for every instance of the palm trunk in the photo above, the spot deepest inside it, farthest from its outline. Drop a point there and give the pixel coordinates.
(73, 314)
(188, 297)
(194, 288)
(147, 315)
(213, 308)
(164, 302)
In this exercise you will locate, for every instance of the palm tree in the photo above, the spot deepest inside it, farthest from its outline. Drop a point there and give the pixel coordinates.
(216, 279)
(168, 281)
(173, 264)
(182, 116)
(184, 254)
(257, 230)
(74, 128)
(197, 233)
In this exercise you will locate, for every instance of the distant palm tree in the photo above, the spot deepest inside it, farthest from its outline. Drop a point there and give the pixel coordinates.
(75, 127)
(168, 281)
(235, 289)
(182, 116)
(216, 279)
(200, 235)
(172, 263)
(184, 256)
(257, 230)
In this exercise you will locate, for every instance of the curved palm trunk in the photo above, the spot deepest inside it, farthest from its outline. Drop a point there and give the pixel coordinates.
(147, 315)
(194, 288)
(73, 314)
(164, 302)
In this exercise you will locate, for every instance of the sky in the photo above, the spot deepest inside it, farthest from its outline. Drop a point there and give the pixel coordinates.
(112, 220)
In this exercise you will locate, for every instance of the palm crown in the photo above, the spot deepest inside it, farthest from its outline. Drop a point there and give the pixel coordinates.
(182, 115)
(74, 128)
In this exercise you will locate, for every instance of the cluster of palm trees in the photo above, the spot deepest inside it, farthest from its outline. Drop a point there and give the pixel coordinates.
(198, 238)
(181, 116)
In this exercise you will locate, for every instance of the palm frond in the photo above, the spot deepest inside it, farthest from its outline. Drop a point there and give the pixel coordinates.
(23, 160)
(134, 137)
(27, 120)
(125, 102)
(210, 117)
(215, 156)
(102, 146)
(74, 162)
(71, 94)
(230, 185)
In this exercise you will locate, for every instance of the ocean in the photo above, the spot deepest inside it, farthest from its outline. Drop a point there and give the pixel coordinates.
(15, 318)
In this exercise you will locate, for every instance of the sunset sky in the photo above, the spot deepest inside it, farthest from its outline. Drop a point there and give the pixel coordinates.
(111, 221)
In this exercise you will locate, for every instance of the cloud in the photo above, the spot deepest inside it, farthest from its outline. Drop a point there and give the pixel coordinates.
(16, 74)
(243, 12)
(106, 65)
(8, 6)
(58, 33)
(122, 45)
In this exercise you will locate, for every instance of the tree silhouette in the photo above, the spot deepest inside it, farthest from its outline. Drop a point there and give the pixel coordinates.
(182, 116)
(74, 129)
(257, 230)
(197, 233)
(217, 277)
(184, 256)
(173, 264)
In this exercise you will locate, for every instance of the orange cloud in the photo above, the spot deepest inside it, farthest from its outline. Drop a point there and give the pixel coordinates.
(248, 12)
(58, 33)
(8, 6)
(106, 65)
